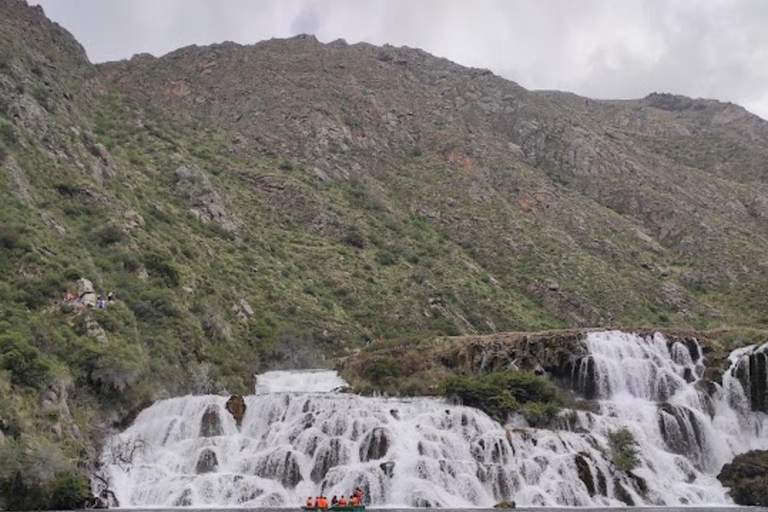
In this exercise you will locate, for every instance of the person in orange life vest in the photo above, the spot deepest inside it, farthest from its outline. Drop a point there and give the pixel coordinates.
(343, 501)
(354, 500)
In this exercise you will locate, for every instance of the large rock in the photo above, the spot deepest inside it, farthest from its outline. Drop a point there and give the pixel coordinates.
(236, 407)
(375, 445)
(207, 462)
(210, 424)
(747, 478)
(85, 292)
(204, 200)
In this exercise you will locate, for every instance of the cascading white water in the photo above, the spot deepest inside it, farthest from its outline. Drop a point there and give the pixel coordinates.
(299, 438)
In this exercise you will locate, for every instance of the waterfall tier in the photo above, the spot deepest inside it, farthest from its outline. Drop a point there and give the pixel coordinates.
(298, 438)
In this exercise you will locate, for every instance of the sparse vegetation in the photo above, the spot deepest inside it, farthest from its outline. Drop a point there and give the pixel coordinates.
(624, 450)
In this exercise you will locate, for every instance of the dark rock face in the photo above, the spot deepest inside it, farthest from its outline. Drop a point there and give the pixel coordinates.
(236, 407)
(210, 425)
(747, 478)
(207, 462)
(375, 445)
(585, 472)
(682, 432)
(584, 378)
(328, 456)
(184, 500)
(388, 468)
(283, 467)
(752, 372)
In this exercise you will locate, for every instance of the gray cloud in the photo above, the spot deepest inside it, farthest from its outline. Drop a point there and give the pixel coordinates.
(599, 48)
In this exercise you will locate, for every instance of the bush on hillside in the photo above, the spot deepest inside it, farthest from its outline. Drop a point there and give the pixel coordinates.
(118, 366)
(500, 393)
(67, 491)
(25, 363)
(381, 369)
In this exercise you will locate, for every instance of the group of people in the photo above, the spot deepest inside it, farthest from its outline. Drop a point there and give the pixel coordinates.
(322, 502)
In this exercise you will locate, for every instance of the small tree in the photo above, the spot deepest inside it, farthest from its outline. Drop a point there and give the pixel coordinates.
(624, 450)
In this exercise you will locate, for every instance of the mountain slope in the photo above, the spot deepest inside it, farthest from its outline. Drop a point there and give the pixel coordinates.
(280, 204)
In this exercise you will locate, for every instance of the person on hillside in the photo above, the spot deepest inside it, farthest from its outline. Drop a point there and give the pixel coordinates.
(110, 297)
(343, 501)
(100, 302)
(310, 503)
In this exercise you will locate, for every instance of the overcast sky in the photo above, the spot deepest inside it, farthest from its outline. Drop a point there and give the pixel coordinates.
(598, 48)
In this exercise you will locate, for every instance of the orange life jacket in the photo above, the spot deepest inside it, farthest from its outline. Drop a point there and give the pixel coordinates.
(355, 500)
(343, 501)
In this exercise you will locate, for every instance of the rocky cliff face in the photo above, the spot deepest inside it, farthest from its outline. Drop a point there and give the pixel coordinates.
(275, 205)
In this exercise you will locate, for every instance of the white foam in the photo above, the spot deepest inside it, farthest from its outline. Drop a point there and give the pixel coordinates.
(299, 439)
(307, 381)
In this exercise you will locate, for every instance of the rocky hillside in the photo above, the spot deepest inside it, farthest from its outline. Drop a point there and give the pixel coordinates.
(280, 204)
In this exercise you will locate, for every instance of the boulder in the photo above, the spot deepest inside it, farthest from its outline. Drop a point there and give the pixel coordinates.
(86, 295)
(746, 476)
(210, 424)
(375, 445)
(236, 407)
(207, 462)
(505, 504)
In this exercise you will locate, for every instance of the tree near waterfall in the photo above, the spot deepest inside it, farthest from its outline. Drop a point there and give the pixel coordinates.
(624, 450)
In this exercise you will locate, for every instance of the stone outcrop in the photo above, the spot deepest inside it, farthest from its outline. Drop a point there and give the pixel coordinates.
(747, 478)
(207, 462)
(752, 372)
(236, 407)
(205, 201)
(375, 445)
(210, 424)
(85, 293)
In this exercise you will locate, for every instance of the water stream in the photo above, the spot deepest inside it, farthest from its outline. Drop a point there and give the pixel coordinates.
(301, 436)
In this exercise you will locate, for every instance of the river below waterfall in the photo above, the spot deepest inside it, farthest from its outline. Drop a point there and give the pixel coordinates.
(300, 436)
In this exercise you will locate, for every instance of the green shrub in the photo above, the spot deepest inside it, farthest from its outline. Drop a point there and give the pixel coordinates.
(108, 235)
(67, 491)
(155, 305)
(381, 369)
(539, 414)
(624, 450)
(354, 239)
(386, 257)
(160, 266)
(118, 366)
(10, 237)
(27, 366)
(500, 393)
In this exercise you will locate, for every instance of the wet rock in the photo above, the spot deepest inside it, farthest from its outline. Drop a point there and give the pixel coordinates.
(585, 472)
(236, 407)
(375, 445)
(184, 499)
(585, 378)
(682, 432)
(210, 424)
(388, 468)
(505, 504)
(752, 372)
(622, 494)
(328, 456)
(281, 466)
(746, 476)
(207, 462)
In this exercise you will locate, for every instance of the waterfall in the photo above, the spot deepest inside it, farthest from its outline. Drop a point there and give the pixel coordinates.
(300, 437)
